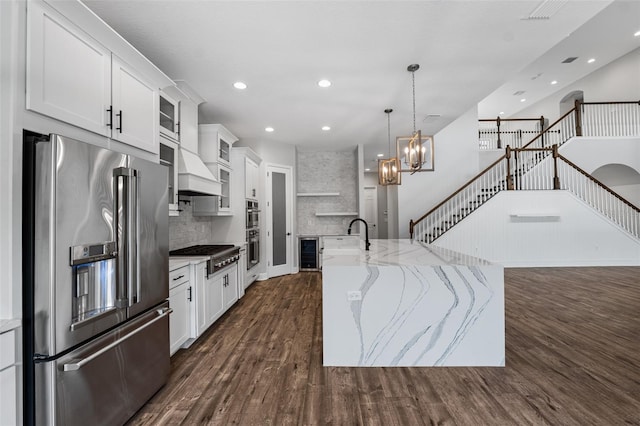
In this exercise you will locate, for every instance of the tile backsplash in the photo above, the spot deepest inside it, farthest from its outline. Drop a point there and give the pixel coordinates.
(186, 230)
(326, 173)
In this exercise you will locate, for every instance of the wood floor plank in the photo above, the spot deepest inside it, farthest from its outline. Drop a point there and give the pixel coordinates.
(572, 358)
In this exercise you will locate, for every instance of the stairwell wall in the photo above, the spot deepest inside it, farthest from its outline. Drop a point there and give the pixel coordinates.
(617, 81)
(541, 228)
(456, 162)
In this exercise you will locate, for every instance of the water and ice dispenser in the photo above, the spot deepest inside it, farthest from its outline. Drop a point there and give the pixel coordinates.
(94, 281)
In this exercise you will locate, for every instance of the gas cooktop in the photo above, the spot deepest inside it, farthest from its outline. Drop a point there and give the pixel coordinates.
(220, 255)
(203, 250)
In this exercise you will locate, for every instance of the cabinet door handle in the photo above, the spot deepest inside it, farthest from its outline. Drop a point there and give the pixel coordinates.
(120, 121)
(178, 128)
(189, 295)
(110, 123)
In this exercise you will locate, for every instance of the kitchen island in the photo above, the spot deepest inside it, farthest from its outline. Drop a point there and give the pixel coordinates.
(405, 303)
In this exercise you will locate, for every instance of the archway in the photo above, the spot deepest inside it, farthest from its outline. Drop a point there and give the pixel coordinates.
(567, 103)
(622, 179)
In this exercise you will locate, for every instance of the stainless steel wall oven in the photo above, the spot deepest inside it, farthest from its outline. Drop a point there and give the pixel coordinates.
(253, 215)
(253, 247)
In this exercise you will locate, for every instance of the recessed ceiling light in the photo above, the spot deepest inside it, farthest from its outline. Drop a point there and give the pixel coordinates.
(637, 34)
(380, 155)
(239, 85)
(269, 129)
(554, 82)
(367, 170)
(326, 128)
(590, 61)
(501, 113)
(523, 100)
(324, 83)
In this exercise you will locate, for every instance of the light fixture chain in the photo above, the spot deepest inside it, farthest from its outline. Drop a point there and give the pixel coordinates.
(413, 78)
(389, 132)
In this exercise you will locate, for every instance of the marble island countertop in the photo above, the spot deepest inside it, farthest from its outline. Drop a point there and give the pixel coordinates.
(404, 303)
(396, 252)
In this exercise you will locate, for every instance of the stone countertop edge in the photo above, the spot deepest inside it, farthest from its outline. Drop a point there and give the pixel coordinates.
(402, 252)
(180, 261)
(7, 325)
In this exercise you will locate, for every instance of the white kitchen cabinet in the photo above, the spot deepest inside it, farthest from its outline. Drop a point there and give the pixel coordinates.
(242, 269)
(9, 378)
(252, 179)
(169, 117)
(135, 106)
(224, 203)
(208, 298)
(215, 144)
(73, 78)
(230, 286)
(179, 299)
(68, 72)
(169, 158)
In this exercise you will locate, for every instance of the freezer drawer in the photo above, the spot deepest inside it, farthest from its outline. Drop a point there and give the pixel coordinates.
(107, 380)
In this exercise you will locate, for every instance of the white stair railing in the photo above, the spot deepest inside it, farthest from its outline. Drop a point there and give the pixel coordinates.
(599, 196)
(532, 167)
(610, 118)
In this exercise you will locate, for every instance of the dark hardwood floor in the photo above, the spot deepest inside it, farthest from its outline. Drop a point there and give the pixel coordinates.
(572, 358)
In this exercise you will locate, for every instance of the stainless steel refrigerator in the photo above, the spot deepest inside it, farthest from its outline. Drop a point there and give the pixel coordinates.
(95, 272)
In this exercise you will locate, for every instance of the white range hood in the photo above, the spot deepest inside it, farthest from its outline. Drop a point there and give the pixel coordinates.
(194, 178)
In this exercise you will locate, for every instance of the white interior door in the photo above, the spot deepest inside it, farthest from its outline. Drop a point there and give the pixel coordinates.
(371, 210)
(279, 226)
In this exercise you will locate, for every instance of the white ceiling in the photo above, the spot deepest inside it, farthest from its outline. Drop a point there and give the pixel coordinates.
(467, 50)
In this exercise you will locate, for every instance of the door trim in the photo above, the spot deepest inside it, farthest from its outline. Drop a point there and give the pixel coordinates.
(287, 268)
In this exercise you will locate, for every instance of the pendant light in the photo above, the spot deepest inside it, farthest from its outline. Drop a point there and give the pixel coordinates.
(411, 151)
(389, 168)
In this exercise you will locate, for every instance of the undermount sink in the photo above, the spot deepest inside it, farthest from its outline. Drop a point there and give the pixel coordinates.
(341, 245)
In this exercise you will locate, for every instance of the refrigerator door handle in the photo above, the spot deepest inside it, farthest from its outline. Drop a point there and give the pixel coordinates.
(78, 365)
(126, 230)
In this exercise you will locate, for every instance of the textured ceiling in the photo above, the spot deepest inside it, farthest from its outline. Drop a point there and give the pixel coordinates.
(280, 49)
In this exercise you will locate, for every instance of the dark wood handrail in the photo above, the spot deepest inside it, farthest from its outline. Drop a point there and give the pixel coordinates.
(509, 119)
(597, 182)
(460, 189)
(549, 128)
(532, 149)
(610, 103)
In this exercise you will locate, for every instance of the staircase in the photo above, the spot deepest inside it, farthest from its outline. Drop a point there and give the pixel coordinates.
(538, 165)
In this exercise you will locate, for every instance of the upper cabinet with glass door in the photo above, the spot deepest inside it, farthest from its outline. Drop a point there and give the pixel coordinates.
(169, 117)
(215, 143)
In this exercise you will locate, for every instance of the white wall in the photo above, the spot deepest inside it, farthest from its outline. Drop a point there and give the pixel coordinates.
(456, 161)
(552, 228)
(617, 81)
(371, 179)
(591, 153)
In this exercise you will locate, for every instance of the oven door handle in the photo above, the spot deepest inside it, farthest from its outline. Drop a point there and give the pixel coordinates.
(73, 366)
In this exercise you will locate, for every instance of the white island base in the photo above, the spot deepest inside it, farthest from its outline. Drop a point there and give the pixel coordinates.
(406, 303)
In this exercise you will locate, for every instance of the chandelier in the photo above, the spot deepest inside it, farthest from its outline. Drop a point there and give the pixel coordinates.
(415, 152)
(389, 168)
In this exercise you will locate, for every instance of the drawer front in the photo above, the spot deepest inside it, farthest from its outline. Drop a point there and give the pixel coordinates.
(178, 276)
